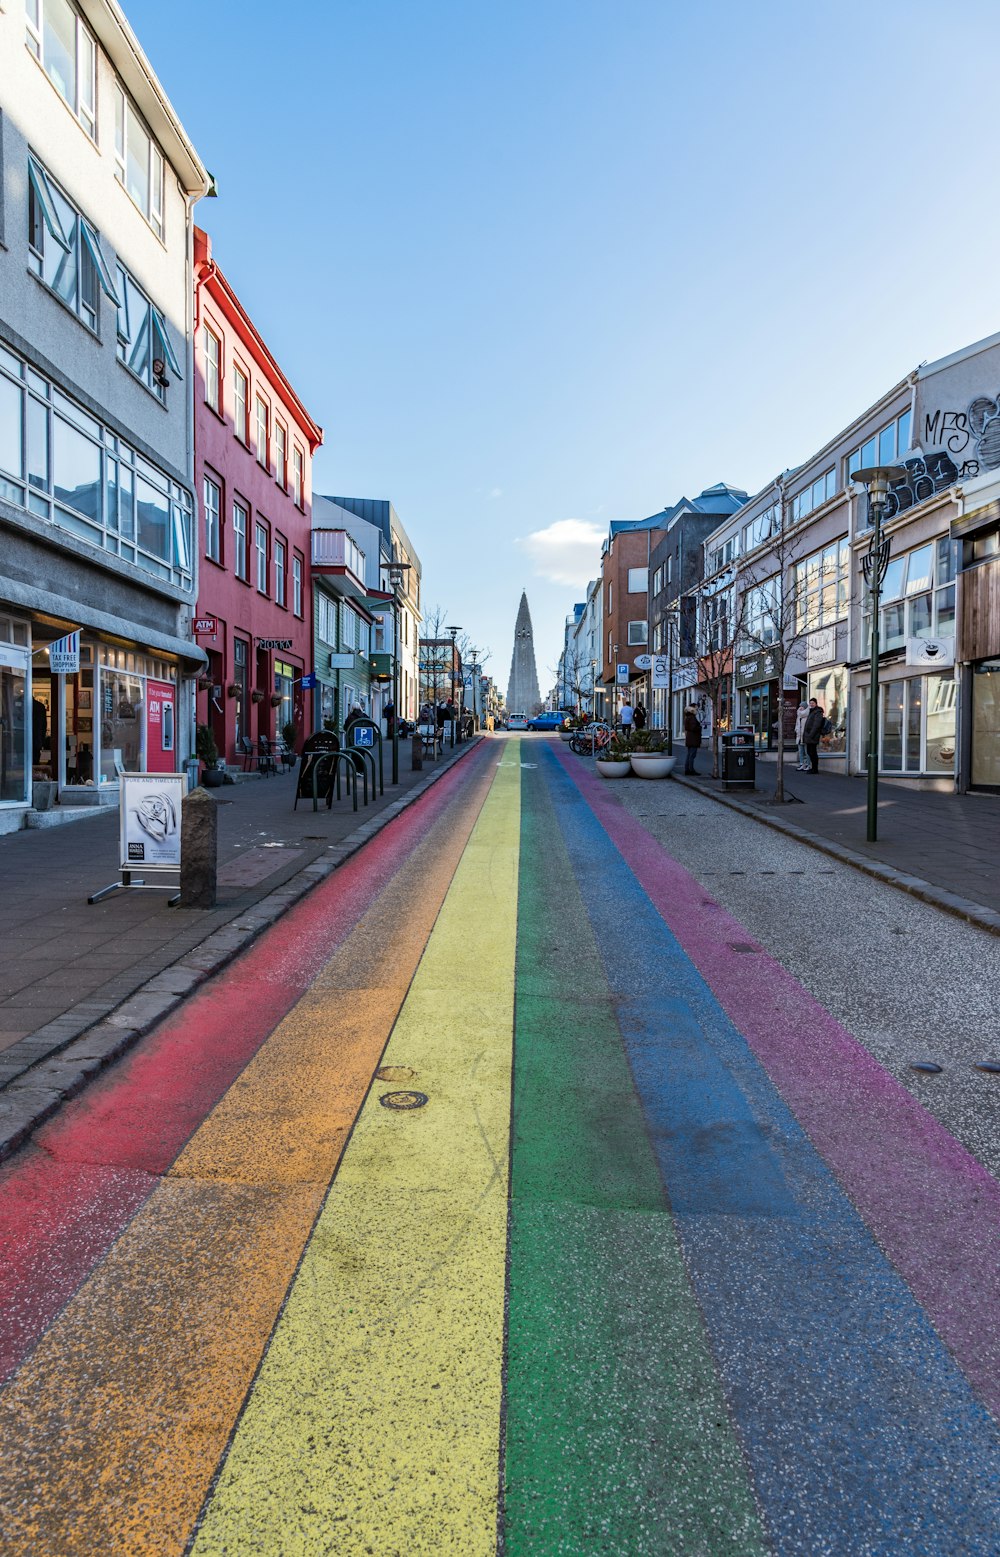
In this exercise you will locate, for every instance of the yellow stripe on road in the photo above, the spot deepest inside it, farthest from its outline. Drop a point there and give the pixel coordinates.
(374, 1424)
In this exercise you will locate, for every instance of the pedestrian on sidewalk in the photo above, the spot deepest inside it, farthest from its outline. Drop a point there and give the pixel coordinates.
(639, 716)
(811, 732)
(692, 737)
(801, 715)
(627, 716)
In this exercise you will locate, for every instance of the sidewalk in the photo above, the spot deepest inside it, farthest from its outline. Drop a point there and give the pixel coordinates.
(939, 846)
(113, 969)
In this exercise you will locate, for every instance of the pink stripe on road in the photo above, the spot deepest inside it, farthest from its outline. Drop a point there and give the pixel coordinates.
(932, 1207)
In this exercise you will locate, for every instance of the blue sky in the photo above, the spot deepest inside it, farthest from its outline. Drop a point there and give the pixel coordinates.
(553, 263)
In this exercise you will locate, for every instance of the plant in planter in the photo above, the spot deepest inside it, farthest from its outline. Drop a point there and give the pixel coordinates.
(232, 689)
(204, 683)
(256, 697)
(613, 761)
(208, 754)
(649, 756)
(276, 700)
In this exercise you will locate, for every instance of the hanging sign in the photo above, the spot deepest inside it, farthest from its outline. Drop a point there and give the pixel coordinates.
(308, 681)
(206, 624)
(149, 819)
(661, 672)
(643, 661)
(64, 655)
(930, 652)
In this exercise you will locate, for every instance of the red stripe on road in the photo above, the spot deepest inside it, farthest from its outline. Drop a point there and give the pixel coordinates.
(69, 1193)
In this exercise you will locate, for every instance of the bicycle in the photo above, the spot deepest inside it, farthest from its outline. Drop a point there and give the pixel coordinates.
(589, 741)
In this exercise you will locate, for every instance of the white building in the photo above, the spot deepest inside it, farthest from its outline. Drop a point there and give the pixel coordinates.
(96, 422)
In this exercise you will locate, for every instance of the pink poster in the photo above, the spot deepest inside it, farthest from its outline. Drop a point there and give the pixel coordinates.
(160, 727)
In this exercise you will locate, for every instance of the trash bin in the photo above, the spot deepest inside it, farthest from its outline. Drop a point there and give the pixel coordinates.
(739, 759)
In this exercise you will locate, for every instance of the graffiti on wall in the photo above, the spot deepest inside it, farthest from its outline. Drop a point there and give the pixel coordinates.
(965, 444)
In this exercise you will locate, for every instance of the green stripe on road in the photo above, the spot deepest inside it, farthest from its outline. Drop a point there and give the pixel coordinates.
(618, 1438)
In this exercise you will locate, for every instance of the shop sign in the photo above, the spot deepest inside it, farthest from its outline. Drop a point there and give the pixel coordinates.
(341, 661)
(661, 672)
(755, 668)
(64, 655)
(643, 661)
(308, 681)
(821, 647)
(206, 624)
(274, 643)
(149, 820)
(930, 653)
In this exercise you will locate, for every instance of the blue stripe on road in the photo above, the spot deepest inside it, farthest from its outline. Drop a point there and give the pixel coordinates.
(862, 1434)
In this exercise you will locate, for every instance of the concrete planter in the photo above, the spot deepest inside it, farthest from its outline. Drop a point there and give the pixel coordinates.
(43, 794)
(652, 764)
(613, 767)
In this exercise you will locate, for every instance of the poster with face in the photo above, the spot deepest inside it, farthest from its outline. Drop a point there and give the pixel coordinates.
(150, 819)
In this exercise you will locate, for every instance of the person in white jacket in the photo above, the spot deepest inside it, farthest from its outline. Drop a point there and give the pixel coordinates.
(801, 715)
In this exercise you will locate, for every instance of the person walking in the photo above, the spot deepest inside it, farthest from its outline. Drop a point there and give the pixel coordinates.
(627, 716)
(801, 715)
(639, 716)
(692, 738)
(811, 732)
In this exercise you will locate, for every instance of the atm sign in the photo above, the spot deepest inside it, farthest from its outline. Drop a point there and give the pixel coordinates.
(206, 624)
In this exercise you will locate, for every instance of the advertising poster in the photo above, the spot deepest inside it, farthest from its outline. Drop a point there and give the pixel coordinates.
(150, 819)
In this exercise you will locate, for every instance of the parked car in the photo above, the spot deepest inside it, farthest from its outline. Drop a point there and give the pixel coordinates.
(517, 721)
(551, 719)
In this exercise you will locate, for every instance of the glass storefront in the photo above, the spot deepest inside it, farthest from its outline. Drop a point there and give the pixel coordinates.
(829, 688)
(985, 770)
(14, 765)
(916, 726)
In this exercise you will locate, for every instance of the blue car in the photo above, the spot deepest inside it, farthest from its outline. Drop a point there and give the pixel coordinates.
(553, 719)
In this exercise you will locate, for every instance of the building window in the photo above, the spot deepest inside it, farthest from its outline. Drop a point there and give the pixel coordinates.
(213, 521)
(297, 475)
(822, 586)
(58, 39)
(64, 249)
(638, 581)
(883, 447)
(241, 523)
(722, 555)
(213, 369)
(143, 340)
(610, 598)
(918, 597)
(761, 528)
(64, 466)
(297, 584)
(138, 162)
(240, 398)
(824, 487)
(261, 539)
(280, 568)
(762, 613)
(263, 417)
(637, 632)
(280, 454)
(658, 580)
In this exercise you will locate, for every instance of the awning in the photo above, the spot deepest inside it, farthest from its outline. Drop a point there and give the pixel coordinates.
(77, 613)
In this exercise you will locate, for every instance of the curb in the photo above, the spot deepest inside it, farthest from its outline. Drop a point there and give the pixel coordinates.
(938, 897)
(79, 1048)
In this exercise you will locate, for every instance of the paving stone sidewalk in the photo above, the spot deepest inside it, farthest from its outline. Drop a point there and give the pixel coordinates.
(80, 982)
(940, 846)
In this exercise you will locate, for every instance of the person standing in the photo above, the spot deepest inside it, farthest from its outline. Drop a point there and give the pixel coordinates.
(627, 716)
(811, 732)
(692, 738)
(801, 715)
(639, 716)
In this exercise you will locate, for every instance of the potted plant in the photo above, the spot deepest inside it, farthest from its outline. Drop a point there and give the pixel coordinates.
(276, 700)
(208, 754)
(256, 696)
(613, 761)
(649, 756)
(204, 683)
(232, 689)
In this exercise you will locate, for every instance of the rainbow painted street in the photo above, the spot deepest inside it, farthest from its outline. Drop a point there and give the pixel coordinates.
(511, 1194)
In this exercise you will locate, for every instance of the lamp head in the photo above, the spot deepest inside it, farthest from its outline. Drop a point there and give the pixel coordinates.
(877, 479)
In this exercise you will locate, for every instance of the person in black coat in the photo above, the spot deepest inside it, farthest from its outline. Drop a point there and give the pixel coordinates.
(692, 738)
(811, 733)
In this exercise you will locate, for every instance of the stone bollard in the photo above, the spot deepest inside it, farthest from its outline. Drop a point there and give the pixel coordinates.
(417, 754)
(199, 849)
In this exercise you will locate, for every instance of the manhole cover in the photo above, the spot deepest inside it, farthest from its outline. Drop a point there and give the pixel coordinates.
(395, 1073)
(403, 1099)
(928, 1067)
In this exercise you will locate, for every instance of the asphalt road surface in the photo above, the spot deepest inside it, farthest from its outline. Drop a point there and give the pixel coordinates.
(553, 1179)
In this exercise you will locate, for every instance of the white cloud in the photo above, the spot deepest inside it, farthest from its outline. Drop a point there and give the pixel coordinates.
(494, 493)
(567, 552)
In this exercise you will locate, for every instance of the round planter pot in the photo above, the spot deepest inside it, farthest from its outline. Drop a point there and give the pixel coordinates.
(611, 768)
(652, 765)
(213, 778)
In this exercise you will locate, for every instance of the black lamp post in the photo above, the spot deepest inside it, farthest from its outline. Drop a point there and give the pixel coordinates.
(397, 571)
(670, 617)
(454, 634)
(876, 479)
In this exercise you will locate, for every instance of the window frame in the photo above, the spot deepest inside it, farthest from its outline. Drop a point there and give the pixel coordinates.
(635, 640)
(45, 224)
(298, 476)
(281, 454)
(153, 211)
(263, 452)
(214, 403)
(261, 551)
(84, 113)
(280, 571)
(241, 554)
(298, 566)
(160, 346)
(238, 375)
(216, 528)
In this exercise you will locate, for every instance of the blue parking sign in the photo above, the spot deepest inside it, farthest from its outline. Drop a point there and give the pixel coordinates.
(364, 735)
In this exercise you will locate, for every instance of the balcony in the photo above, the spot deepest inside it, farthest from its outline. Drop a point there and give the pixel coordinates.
(335, 554)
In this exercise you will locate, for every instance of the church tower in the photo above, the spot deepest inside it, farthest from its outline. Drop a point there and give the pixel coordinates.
(522, 689)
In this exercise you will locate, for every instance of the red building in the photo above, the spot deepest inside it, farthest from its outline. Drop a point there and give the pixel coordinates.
(254, 443)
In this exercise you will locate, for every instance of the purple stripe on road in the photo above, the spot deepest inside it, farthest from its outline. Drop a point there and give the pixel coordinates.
(932, 1207)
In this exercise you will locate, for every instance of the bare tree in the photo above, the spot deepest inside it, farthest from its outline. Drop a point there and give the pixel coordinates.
(720, 630)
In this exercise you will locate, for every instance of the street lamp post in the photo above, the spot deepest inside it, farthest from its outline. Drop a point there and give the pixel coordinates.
(593, 689)
(454, 721)
(669, 615)
(397, 571)
(876, 479)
